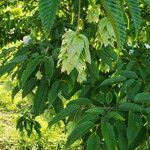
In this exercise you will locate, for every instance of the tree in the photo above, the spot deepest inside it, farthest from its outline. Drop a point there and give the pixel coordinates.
(91, 65)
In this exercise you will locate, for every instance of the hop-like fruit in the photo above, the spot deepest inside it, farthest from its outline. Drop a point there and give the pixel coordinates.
(74, 53)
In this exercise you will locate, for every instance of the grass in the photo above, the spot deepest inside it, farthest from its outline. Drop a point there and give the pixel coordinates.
(12, 139)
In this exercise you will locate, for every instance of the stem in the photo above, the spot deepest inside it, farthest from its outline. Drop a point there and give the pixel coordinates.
(79, 12)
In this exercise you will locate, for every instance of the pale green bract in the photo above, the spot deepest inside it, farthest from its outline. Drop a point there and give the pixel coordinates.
(74, 53)
(105, 33)
(93, 13)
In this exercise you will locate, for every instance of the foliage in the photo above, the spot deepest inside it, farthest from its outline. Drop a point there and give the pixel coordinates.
(18, 111)
(17, 18)
(92, 71)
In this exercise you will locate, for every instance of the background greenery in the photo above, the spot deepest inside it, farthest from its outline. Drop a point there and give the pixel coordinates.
(10, 138)
(17, 19)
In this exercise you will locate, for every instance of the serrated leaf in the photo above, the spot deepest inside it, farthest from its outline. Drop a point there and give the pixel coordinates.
(58, 105)
(125, 87)
(89, 117)
(140, 139)
(142, 97)
(93, 142)
(135, 12)
(110, 51)
(130, 107)
(6, 52)
(64, 113)
(20, 123)
(108, 135)
(113, 80)
(116, 16)
(39, 100)
(96, 110)
(130, 65)
(53, 92)
(116, 115)
(81, 101)
(147, 110)
(47, 10)
(15, 90)
(49, 67)
(78, 132)
(134, 127)
(29, 86)
(122, 137)
(19, 59)
(105, 57)
(7, 68)
(109, 98)
(31, 66)
(128, 74)
(37, 128)
(93, 69)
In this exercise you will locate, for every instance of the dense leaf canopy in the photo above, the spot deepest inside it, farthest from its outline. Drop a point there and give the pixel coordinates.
(88, 60)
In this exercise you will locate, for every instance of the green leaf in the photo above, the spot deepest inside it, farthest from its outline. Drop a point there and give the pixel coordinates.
(49, 67)
(31, 66)
(104, 57)
(64, 113)
(58, 105)
(53, 92)
(125, 87)
(86, 48)
(130, 107)
(141, 138)
(148, 33)
(93, 142)
(108, 135)
(109, 98)
(135, 13)
(7, 52)
(20, 123)
(85, 90)
(19, 59)
(47, 10)
(130, 65)
(7, 68)
(147, 110)
(15, 90)
(96, 110)
(113, 80)
(147, 2)
(81, 101)
(134, 127)
(78, 132)
(110, 51)
(128, 74)
(116, 115)
(93, 69)
(89, 117)
(39, 100)
(29, 86)
(116, 16)
(142, 97)
(37, 128)
(122, 137)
